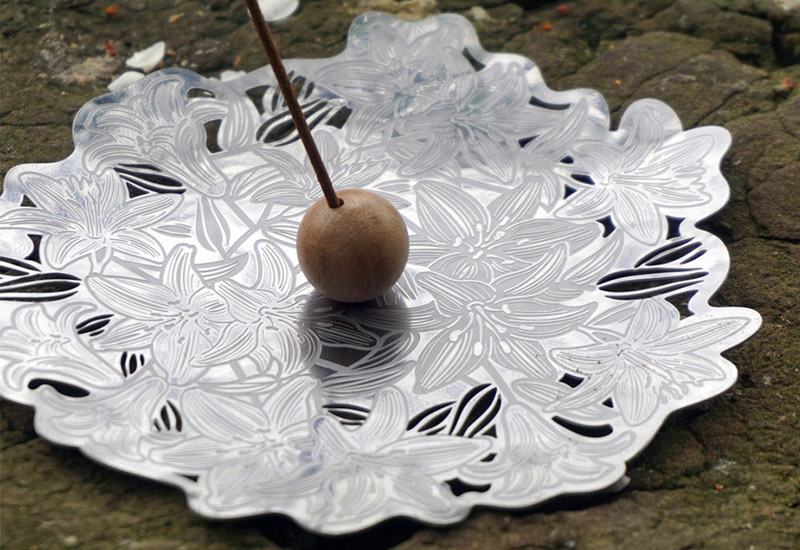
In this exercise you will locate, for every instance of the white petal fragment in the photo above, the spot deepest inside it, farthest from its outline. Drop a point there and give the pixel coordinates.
(124, 80)
(275, 10)
(149, 58)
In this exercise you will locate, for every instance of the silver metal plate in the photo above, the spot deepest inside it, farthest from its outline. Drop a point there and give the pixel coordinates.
(154, 314)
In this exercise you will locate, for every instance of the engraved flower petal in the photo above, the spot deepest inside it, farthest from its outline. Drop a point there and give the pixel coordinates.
(657, 360)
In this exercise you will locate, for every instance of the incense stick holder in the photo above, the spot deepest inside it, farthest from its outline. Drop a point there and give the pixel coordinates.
(553, 313)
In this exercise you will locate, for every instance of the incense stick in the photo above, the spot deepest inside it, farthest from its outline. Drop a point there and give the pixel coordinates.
(271, 49)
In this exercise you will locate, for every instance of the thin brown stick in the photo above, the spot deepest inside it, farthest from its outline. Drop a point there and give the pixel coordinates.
(290, 97)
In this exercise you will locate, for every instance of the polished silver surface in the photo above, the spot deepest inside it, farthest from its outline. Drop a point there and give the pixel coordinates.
(553, 313)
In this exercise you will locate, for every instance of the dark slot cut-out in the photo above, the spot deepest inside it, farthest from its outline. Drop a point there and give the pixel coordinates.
(11, 267)
(437, 419)
(693, 257)
(178, 419)
(148, 178)
(608, 226)
(169, 419)
(655, 254)
(646, 271)
(568, 191)
(571, 380)
(656, 273)
(425, 414)
(340, 117)
(483, 405)
(165, 417)
(467, 397)
(27, 202)
(489, 458)
(256, 95)
(459, 487)
(190, 477)
(567, 160)
(525, 141)
(674, 227)
(35, 256)
(63, 388)
(476, 411)
(199, 92)
(585, 430)
(271, 130)
(130, 363)
(583, 178)
(681, 303)
(657, 292)
(212, 135)
(536, 102)
(477, 65)
(473, 416)
(297, 83)
(651, 283)
(136, 361)
(313, 122)
(54, 279)
(134, 191)
(608, 403)
(39, 287)
(93, 323)
(349, 413)
(676, 254)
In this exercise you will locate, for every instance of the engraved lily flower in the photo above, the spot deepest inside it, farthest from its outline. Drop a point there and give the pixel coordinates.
(272, 326)
(42, 345)
(657, 359)
(89, 216)
(497, 325)
(535, 459)
(116, 423)
(465, 239)
(154, 127)
(177, 314)
(355, 473)
(283, 179)
(397, 74)
(655, 170)
(230, 442)
(479, 117)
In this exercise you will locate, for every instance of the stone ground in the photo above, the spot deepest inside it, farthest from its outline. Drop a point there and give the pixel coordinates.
(723, 475)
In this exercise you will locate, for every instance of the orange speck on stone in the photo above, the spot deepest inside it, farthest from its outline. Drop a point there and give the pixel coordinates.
(618, 82)
(174, 18)
(546, 26)
(112, 11)
(788, 83)
(564, 9)
(719, 486)
(237, 62)
(111, 51)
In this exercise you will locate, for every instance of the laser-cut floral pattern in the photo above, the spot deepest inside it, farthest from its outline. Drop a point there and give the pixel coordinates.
(154, 314)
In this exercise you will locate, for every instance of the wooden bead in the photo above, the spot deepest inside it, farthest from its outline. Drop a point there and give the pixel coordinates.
(355, 252)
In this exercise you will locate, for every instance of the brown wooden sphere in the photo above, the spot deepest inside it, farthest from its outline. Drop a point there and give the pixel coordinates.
(355, 252)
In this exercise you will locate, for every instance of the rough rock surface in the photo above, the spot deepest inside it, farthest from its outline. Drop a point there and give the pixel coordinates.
(723, 475)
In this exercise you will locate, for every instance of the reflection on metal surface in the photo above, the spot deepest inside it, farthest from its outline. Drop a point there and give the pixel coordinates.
(155, 316)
